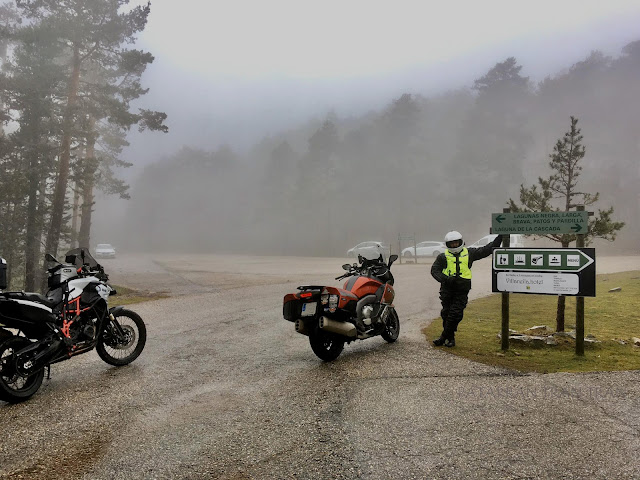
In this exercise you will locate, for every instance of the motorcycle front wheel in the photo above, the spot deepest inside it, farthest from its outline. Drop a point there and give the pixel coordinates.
(15, 387)
(392, 330)
(123, 339)
(326, 347)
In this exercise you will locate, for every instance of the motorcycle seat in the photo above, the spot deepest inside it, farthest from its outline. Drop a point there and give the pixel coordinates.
(31, 297)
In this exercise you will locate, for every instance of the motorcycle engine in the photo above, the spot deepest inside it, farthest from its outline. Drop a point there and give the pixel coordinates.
(83, 329)
(367, 312)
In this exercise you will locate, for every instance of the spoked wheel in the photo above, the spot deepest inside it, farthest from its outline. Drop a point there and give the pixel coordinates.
(123, 339)
(16, 386)
(326, 347)
(392, 330)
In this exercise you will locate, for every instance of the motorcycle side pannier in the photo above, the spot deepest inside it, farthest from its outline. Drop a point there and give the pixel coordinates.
(291, 308)
(3, 274)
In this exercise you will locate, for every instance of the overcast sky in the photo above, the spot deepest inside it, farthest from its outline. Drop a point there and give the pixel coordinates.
(233, 71)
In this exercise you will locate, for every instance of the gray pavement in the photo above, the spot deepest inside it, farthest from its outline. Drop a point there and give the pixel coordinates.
(226, 389)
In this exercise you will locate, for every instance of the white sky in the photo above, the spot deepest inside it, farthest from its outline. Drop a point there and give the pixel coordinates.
(233, 71)
(346, 38)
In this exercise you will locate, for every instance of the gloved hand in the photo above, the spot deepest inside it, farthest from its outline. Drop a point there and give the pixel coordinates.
(450, 282)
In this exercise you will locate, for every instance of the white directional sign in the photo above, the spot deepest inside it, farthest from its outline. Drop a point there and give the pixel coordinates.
(551, 271)
(556, 259)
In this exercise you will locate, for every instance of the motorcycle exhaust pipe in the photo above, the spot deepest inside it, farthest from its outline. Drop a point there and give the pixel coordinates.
(301, 328)
(341, 328)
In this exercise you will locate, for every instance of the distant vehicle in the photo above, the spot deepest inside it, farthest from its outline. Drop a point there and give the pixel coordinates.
(425, 249)
(370, 250)
(105, 250)
(515, 241)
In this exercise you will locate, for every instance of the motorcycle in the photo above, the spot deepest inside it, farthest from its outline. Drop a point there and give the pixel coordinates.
(332, 316)
(73, 318)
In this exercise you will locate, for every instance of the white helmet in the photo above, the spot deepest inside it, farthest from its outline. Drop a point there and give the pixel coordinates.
(454, 241)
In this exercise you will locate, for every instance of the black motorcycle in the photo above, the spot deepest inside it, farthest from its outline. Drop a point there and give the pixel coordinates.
(73, 317)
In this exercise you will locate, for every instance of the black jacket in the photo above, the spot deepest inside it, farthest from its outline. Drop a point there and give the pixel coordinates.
(461, 284)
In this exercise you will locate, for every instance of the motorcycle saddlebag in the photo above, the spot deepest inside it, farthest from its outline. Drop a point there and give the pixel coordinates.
(30, 317)
(3, 274)
(294, 308)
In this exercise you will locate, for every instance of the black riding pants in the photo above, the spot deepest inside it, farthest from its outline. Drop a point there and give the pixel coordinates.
(453, 305)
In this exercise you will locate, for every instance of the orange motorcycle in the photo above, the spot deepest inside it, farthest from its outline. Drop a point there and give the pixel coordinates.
(331, 316)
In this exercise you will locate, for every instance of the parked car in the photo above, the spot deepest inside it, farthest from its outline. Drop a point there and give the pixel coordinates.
(370, 249)
(105, 250)
(425, 249)
(515, 241)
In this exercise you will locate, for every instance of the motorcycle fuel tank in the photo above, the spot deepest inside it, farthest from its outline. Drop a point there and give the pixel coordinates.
(361, 286)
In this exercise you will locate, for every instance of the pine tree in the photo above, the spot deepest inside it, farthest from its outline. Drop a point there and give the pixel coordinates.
(562, 186)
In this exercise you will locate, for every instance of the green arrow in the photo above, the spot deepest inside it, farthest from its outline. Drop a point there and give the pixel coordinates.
(500, 219)
(576, 228)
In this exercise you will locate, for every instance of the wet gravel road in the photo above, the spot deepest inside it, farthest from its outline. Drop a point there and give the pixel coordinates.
(226, 389)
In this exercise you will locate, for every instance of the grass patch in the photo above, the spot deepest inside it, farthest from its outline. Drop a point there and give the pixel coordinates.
(610, 317)
(128, 296)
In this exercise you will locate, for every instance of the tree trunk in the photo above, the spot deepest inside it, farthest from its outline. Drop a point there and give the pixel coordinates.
(59, 194)
(562, 300)
(33, 233)
(75, 214)
(88, 179)
(560, 313)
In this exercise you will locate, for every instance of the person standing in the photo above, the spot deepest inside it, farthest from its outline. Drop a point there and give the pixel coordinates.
(453, 270)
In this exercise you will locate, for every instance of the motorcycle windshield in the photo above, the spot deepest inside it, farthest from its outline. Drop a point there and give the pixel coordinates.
(81, 256)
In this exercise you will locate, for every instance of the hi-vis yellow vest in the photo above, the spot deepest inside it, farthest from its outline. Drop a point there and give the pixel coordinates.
(464, 271)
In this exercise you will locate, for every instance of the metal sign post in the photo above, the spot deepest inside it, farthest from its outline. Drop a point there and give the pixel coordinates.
(580, 303)
(505, 300)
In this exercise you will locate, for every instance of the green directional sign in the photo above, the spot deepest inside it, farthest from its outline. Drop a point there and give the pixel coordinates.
(531, 223)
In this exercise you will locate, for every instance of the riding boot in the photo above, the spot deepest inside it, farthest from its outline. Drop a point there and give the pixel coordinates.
(438, 342)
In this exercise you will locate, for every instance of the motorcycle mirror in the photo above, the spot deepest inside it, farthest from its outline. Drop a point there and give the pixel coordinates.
(346, 266)
(392, 259)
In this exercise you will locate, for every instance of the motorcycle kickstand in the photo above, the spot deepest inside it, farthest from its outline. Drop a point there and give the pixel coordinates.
(48, 367)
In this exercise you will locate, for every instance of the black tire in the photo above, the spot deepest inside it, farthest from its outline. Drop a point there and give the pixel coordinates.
(407, 254)
(392, 330)
(116, 349)
(15, 388)
(327, 347)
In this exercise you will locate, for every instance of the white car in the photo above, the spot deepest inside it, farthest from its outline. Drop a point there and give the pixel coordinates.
(105, 250)
(370, 250)
(515, 241)
(425, 249)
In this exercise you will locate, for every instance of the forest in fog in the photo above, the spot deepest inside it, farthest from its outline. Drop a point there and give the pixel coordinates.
(422, 165)
(71, 85)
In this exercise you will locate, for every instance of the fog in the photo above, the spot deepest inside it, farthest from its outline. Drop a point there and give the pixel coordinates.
(281, 162)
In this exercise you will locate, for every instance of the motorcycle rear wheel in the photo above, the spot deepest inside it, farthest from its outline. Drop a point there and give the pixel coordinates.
(326, 347)
(121, 349)
(14, 387)
(392, 330)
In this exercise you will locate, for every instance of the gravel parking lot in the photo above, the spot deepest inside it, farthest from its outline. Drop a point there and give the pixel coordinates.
(226, 389)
